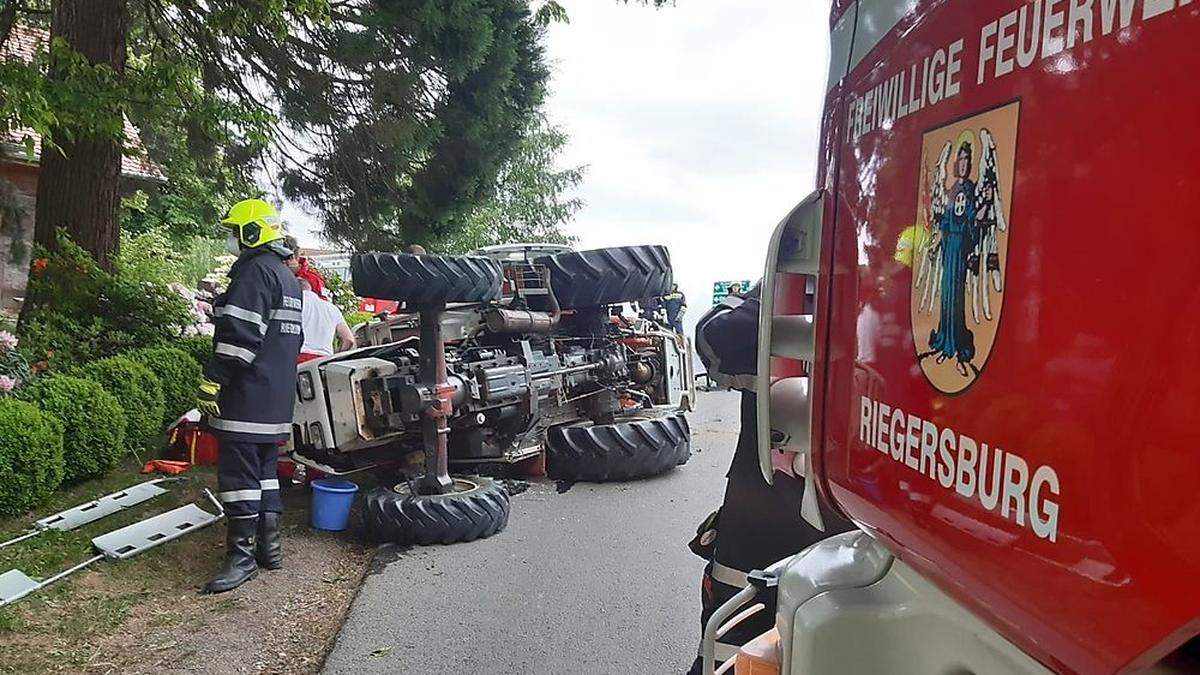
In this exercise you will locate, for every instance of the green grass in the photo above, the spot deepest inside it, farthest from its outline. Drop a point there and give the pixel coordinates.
(104, 618)
(58, 629)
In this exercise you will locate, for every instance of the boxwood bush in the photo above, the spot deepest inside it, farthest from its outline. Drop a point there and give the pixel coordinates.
(92, 420)
(200, 347)
(179, 375)
(139, 391)
(31, 456)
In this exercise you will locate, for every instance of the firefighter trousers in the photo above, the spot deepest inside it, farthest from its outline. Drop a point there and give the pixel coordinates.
(248, 478)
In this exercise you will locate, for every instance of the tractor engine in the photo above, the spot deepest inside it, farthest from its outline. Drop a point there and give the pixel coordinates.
(504, 395)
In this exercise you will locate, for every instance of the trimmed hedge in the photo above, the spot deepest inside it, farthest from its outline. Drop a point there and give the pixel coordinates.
(31, 456)
(199, 347)
(179, 375)
(92, 420)
(139, 391)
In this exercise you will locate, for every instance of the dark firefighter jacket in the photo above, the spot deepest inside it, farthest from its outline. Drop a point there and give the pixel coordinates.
(257, 339)
(674, 303)
(727, 341)
(759, 524)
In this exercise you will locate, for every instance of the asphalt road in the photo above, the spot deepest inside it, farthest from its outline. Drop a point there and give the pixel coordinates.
(595, 580)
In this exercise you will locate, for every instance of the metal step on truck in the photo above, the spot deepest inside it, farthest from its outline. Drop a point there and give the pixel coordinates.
(495, 358)
(997, 381)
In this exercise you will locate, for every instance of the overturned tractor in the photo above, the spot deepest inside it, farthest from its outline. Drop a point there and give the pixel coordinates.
(495, 358)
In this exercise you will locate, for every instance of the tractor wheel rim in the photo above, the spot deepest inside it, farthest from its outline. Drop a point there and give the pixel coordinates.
(458, 486)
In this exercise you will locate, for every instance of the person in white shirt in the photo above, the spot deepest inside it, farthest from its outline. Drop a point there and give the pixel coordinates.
(322, 320)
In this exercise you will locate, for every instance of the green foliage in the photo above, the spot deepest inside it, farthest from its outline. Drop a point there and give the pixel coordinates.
(31, 456)
(207, 148)
(92, 420)
(186, 89)
(423, 103)
(78, 312)
(550, 12)
(84, 98)
(531, 201)
(339, 291)
(357, 318)
(396, 120)
(199, 347)
(198, 257)
(179, 375)
(149, 256)
(139, 391)
(166, 257)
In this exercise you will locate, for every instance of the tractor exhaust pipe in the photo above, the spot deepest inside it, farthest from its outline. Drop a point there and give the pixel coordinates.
(500, 320)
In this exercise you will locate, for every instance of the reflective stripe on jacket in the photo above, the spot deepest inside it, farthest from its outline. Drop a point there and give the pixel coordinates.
(258, 335)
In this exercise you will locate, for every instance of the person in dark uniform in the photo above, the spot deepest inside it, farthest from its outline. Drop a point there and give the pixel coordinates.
(758, 524)
(249, 390)
(676, 305)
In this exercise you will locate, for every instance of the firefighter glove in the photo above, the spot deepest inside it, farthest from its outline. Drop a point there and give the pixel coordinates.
(208, 398)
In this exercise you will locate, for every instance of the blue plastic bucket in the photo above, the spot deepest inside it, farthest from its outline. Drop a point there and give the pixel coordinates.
(331, 500)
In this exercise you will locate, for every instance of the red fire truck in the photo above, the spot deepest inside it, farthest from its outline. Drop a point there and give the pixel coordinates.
(997, 381)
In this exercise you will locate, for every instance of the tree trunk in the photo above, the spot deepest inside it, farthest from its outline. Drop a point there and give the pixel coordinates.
(80, 179)
(8, 16)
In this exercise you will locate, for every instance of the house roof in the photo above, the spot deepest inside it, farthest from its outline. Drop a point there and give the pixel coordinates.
(23, 44)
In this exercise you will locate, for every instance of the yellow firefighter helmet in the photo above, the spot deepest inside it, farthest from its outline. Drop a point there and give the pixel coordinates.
(255, 222)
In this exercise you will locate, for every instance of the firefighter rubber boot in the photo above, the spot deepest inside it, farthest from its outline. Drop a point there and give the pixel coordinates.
(239, 565)
(268, 550)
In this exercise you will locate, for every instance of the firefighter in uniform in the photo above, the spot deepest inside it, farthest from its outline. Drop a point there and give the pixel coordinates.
(676, 304)
(758, 524)
(249, 388)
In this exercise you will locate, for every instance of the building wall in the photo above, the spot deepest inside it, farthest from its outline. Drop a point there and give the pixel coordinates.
(14, 260)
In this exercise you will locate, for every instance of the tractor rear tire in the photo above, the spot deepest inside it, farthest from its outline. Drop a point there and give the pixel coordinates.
(628, 449)
(607, 276)
(425, 279)
(478, 508)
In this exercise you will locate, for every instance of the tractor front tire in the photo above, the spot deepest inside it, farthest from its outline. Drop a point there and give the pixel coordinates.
(477, 508)
(634, 447)
(606, 276)
(425, 279)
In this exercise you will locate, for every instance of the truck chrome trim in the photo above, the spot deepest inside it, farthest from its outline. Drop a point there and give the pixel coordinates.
(847, 586)
(849, 560)
(709, 641)
(795, 248)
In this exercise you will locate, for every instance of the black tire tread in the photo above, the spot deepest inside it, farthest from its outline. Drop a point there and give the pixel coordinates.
(625, 450)
(425, 279)
(440, 519)
(606, 276)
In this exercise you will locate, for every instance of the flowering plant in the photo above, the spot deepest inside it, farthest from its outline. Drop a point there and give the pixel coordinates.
(14, 368)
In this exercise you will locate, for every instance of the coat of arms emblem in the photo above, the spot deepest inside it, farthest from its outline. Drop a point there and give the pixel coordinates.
(961, 244)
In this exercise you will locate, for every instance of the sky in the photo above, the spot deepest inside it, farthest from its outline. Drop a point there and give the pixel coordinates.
(697, 123)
